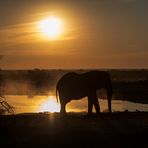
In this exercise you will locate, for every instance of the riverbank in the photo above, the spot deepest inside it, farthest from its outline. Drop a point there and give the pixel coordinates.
(76, 130)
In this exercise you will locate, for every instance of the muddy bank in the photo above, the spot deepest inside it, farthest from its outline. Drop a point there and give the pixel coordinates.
(75, 130)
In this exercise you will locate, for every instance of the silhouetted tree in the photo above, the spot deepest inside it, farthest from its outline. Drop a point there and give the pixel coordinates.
(5, 107)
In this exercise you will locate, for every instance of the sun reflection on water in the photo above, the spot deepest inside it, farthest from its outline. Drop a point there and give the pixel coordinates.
(50, 105)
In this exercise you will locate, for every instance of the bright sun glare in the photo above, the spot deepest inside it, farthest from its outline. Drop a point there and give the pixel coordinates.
(50, 105)
(51, 27)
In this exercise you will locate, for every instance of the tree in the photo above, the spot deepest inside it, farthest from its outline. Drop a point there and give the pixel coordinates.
(5, 108)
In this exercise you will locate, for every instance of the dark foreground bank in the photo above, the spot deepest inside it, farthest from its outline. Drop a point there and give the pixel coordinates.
(40, 130)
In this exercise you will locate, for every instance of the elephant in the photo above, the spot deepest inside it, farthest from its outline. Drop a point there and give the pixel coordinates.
(73, 86)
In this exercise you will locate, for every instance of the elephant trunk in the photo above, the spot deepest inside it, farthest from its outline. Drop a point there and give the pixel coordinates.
(109, 96)
(109, 104)
(109, 93)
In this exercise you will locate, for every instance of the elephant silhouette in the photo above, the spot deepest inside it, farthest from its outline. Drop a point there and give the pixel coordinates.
(73, 86)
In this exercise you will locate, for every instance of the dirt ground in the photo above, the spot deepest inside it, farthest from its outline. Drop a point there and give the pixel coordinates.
(41, 130)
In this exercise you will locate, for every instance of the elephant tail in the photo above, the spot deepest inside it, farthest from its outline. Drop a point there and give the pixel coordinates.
(57, 94)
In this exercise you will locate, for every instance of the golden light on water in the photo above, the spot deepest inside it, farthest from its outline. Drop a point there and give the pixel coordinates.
(50, 105)
(51, 27)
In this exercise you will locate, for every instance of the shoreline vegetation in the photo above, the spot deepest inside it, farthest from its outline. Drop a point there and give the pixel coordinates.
(75, 130)
(130, 85)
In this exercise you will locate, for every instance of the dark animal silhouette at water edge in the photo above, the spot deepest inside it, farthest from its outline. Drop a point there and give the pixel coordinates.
(73, 86)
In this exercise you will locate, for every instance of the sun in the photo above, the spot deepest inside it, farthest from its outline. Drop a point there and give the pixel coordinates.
(50, 105)
(50, 27)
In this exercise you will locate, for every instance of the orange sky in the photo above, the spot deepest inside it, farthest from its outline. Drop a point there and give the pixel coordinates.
(96, 34)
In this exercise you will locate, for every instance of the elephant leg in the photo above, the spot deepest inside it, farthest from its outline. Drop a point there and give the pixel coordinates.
(63, 110)
(90, 105)
(96, 103)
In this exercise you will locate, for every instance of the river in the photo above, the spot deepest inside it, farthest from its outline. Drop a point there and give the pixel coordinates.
(25, 104)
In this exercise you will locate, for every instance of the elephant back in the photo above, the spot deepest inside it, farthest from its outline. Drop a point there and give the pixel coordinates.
(68, 80)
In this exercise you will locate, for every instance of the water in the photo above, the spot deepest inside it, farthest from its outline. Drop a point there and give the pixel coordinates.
(25, 104)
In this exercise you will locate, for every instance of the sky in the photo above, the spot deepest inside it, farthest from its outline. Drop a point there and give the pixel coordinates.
(95, 34)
